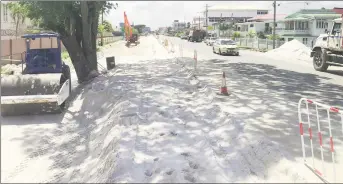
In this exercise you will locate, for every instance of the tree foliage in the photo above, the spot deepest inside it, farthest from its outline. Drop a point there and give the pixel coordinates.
(140, 27)
(271, 37)
(236, 35)
(251, 34)
(261, 35)
(107, 26)
(18, 14)
(77, 23)
(210, 28)
(224, 27)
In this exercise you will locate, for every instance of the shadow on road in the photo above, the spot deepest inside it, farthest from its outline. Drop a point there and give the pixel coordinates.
(249, 132)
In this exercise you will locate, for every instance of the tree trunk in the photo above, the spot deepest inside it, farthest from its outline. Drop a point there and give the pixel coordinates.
(79, 60)
(16, 29)
(87, 38)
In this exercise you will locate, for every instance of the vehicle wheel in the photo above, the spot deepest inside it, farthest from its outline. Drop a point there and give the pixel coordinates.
(237, 54)
(319, 60)
(220, 52)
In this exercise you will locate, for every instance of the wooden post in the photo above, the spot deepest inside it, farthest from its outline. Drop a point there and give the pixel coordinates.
(11, 50)
(40, 43)
(51, 42)
(267, 42)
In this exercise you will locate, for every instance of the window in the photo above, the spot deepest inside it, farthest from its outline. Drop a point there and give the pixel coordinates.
(336, 27)
(321, 24)
(227, 42)
(305, 41)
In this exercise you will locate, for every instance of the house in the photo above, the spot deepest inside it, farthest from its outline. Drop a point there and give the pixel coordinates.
(8, 28)
(230, 14)
(198, 22)
(306, 25)
(260, 23)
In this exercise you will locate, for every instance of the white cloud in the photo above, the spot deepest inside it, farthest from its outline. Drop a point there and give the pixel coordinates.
(162, 13)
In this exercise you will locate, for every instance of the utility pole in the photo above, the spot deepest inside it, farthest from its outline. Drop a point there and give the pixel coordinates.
(199, 22)
(274, 24)
(220, 23)
(206, 13)
(102, 22)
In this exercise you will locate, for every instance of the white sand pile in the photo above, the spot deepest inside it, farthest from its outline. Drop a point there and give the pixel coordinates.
(291, 50)
(11, 69)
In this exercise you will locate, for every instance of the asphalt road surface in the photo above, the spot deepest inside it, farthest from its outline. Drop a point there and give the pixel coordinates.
(266, 92)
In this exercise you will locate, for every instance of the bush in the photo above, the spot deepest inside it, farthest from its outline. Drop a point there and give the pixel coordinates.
(277, 37)
(261, 35)
(236, 35)
(251, 34)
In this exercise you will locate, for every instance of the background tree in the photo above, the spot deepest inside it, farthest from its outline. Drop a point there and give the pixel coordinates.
(140, 27)
(277, 37)
(18, 14)
(236, 35)
(210, 28)
(77, 23)
(188, 24)
(223, 27)
(107, 26)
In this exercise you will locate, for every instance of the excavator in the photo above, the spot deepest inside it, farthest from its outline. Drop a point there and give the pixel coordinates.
(44, 84)
(130, 36)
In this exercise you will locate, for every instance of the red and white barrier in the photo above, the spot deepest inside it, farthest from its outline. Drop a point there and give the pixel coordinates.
(331, 139)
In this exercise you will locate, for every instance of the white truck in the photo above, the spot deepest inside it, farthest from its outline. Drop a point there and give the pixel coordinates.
(328, 49)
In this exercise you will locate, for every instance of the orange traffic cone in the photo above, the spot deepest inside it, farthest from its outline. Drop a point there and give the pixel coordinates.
(223, 88)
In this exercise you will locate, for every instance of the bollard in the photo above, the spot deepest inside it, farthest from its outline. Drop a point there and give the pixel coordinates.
(110, 62)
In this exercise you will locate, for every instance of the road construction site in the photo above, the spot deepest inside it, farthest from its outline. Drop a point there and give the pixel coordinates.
(159, 116)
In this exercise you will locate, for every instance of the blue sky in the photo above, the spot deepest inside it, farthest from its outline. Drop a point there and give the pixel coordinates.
(162, 13)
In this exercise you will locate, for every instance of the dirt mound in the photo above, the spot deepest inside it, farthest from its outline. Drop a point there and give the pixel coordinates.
(291, 50)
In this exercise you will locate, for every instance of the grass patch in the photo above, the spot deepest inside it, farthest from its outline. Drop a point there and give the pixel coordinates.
(6, 72)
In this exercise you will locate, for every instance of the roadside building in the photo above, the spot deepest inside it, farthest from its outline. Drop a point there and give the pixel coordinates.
(259, 24)
(306, 25)
(229, 13)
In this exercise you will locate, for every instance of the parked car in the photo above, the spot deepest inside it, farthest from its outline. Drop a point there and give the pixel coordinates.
(225, 46)
(210, 41)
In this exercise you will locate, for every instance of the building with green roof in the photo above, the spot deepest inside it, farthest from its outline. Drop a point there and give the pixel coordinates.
(306, 25)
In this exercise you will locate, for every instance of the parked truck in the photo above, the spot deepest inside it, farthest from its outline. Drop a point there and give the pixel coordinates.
(328, 48)
(195, 36)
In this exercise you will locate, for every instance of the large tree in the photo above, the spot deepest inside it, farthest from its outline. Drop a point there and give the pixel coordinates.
(77, 23)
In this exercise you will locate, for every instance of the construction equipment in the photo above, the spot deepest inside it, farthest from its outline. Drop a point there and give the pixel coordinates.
(195, 36)
(45, 83)
(132, 39)
(328, 49)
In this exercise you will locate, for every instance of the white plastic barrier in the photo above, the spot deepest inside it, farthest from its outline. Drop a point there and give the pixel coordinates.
(331, 139)
(181, 51)
(195, 60)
